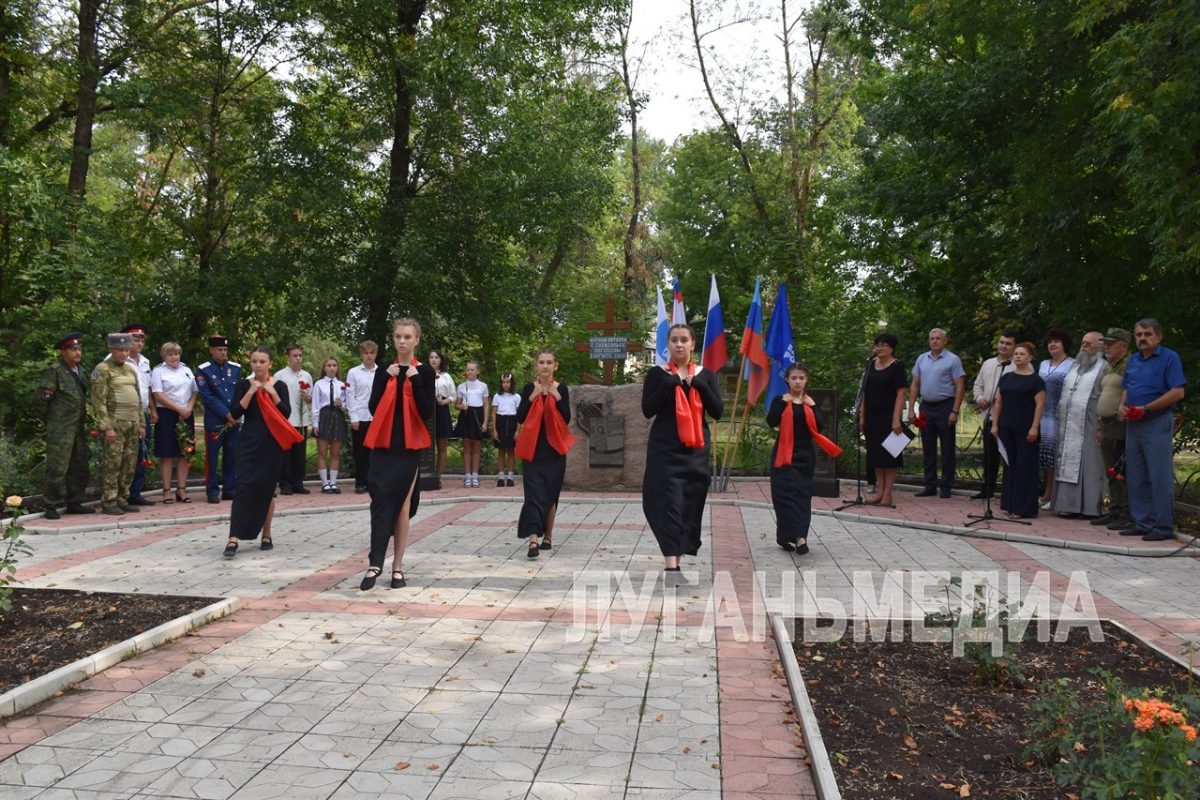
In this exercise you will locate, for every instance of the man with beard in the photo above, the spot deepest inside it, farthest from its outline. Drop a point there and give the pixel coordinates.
(1079, 477)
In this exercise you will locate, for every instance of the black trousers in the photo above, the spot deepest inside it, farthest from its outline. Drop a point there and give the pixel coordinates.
(362, 454)
(938, 432)
(291, 475)
(991, 459)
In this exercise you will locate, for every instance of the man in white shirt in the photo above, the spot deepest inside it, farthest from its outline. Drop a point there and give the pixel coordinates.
(984, 394)
(299, 383)
(358, 397)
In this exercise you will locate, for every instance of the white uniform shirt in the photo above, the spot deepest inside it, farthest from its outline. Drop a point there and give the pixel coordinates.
(301, 415)
(473, 392)
(325, 392)
(506, 404)
(142, 365)
(178, 384)
(358, 392)
(443, 387)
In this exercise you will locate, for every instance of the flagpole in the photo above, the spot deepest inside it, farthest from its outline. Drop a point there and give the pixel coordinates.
(745, 416)
(737, 393)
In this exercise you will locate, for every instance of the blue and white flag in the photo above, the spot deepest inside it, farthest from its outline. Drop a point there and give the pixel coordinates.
(780, 346)
(660, 334)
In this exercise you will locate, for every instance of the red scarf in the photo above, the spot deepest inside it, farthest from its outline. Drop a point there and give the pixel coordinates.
(544, 411)
(787, 435)
(689, 411)
(282, 431)
(416, 435)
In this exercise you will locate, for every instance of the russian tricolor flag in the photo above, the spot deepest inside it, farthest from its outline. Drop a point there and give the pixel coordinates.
(660, 333)
(715, 354)
(678, 315)
(755, 369)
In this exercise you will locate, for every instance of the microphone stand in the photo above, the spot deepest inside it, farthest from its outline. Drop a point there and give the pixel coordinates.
(987, 516)
(858, 496)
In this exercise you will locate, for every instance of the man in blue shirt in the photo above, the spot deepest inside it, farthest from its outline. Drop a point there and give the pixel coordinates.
(939, 379)
(215, 381)
(1153, 384)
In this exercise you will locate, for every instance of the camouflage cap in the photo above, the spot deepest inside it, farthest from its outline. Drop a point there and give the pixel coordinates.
(1117, 335)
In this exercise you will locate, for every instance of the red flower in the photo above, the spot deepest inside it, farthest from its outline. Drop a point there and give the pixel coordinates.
(1135, 413)
(303, 385)
(346, 385)
(95, 433)
(147, 463)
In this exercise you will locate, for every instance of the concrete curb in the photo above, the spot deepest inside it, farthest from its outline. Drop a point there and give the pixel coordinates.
(35, 691)
(822, 768)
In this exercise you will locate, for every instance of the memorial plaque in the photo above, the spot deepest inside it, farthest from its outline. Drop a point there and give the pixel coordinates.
(608, 348)
(606, 442)
(825, 480)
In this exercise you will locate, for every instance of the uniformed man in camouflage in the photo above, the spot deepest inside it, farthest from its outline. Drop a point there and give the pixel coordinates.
(117, 403)
(63, 397)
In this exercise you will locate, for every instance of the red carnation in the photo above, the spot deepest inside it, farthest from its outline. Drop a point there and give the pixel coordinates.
(1135, 413)
(303, 385)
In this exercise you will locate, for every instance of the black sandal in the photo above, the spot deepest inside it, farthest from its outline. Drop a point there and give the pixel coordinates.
(231, 548)
(398, 583)
(181, 497)
(368, 581)
(545, 545)
(266, 544)
(534, 551)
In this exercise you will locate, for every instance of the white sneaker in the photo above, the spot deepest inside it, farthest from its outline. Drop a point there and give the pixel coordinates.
(1045, 506)
(475, 483)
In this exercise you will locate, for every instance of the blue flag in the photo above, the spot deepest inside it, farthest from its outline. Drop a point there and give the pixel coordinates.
(660, 333)
(780, 346)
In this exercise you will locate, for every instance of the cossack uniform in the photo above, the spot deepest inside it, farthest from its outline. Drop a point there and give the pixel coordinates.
(216, 381)
(63, 397)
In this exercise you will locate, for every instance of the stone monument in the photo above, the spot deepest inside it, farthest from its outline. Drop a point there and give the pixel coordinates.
(611, 434)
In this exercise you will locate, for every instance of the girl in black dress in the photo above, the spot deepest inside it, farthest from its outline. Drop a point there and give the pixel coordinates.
(262, 402)
(884, 388)
(443, 426)
(505, 406)
(543, 443)
(793, 459)
(401, 401)
(1016, 422)
(675, 487)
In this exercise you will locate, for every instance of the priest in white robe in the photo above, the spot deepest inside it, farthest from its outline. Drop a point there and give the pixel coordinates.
(1079, 477)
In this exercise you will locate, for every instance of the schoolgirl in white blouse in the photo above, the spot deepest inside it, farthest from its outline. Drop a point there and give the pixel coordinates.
(328, 408)
(473, 406)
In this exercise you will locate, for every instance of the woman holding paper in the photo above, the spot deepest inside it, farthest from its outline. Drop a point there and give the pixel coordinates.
(402, 398)
(674, 491)
(793, 459)
(884, 388)
(263, 403)
(1016, 423)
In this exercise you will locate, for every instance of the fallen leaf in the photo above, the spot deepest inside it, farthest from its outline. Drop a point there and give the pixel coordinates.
(1080, 747)
(434, 767)
(199, 673)
(947, 786)
(328, 634)
(659, 718)
(909, 742)
(75, 626)
(964, 790)
(895, 776)
(402, 765)
(687, 750)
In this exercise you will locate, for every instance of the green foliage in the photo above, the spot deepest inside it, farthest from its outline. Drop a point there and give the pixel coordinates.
(14, 548)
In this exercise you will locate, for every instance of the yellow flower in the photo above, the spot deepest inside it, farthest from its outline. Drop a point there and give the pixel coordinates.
(14, 501)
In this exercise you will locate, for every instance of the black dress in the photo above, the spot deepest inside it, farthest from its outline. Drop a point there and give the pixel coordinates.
(879, 403)
(542, 478)
(260, 459)
(394, 469)
(675, 486)
(1018, 401)
(792, 486)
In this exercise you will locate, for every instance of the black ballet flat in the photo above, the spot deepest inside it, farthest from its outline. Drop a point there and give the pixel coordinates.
(789, 546)
(266, 544)
(802, 549)
(534, 550)
(368, 581)
(398, 583)
(545, 545)
(230, 549)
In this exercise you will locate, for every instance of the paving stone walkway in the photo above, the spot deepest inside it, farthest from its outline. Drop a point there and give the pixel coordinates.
(575, 675)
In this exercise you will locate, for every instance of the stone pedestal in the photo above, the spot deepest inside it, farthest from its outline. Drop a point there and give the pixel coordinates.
(611, 433)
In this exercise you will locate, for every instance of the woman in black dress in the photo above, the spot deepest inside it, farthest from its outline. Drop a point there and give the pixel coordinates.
(545, 412)
(884, 388)
(675, 487)
(401, 400)
(793, 459)
(1016, 423)
(265, 436)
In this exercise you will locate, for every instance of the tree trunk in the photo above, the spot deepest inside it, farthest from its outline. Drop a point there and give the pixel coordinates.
(401, 186)
(793, 140)
(85, 97)
(632, 268)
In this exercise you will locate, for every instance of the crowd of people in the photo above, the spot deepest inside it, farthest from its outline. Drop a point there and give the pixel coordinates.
(1095, 425)
(1066, 434)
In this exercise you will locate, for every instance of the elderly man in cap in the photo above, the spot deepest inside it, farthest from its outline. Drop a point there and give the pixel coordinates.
(1112, 429)
(149, 413)
(63, 396)
(215, 380)
(117, 403)
(1079, 480)
(1153, 385)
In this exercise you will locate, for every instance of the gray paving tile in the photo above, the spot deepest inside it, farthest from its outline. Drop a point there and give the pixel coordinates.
(126, 773)
(202, 779)
(250, 745)
(587, 767)
(334, 752)
(39, 765)
(285, 782)
(675, 771)
(475, 789)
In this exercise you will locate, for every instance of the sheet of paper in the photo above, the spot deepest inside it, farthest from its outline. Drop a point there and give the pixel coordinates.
(1003, 452)
(895, 443)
